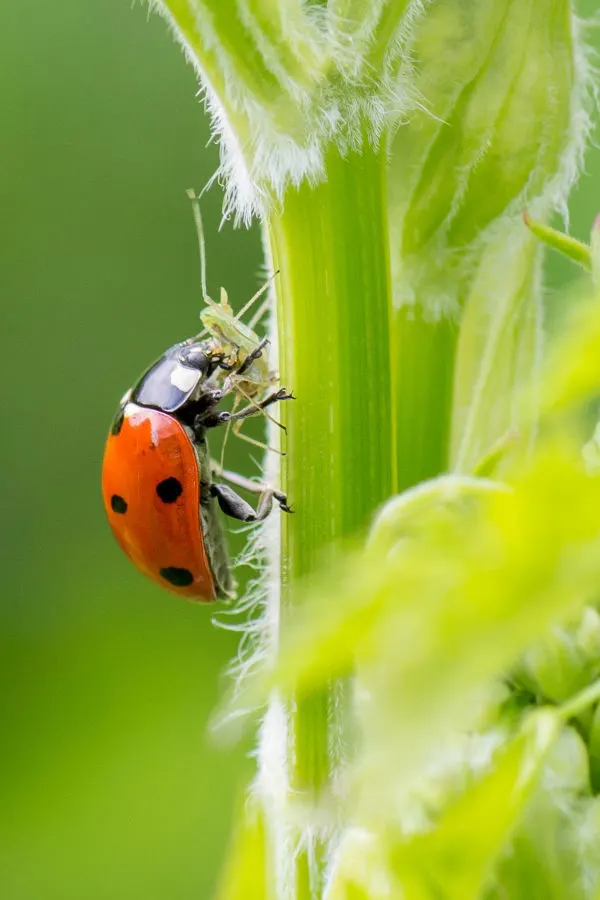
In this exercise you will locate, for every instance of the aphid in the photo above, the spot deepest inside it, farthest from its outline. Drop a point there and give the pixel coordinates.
(239, 347)
(157, 475)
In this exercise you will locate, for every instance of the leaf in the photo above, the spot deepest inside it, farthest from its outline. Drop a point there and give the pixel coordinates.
(572, 371)
(432, 624)
(359, 869)
(244, 873)
(454, 859)
(553, 854)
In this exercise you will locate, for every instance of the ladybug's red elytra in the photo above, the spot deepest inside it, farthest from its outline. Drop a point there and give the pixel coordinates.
(157, 475)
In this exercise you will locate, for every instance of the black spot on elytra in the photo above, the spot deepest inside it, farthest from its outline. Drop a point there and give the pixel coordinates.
(118, 504)
(169, 490)
(177, 577)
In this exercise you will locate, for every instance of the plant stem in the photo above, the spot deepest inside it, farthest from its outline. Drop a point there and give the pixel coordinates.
(330, 243)
(424, 377)
(580, 702)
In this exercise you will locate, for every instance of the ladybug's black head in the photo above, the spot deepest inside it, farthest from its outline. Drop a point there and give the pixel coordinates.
(199, 357)
(175, 378)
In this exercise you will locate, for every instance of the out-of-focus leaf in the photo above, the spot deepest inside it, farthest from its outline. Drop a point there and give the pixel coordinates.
(554, 852)
(244, 874)
(360, 870)
(468, 569)
(399, 517)
(432, 623)
(559, 666)
(454, 859)
(572, 372)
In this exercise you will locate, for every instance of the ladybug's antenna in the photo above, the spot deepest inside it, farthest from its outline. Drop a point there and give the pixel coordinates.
(200, 232)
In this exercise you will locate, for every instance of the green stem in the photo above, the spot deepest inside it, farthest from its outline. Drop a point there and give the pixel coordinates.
(330, 243)
(424, 375)
(580, 702)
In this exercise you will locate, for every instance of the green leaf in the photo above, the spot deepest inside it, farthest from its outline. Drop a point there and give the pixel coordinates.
(431, 624)
(360, 870)
(455, 858)
(572, 372)
(500, 126)
(554, 852)
(244, 873)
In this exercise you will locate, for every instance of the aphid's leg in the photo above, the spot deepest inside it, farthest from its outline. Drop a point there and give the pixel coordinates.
(258, 294)
(257, 407)
(236, 401)
(237, 427)
(236, 507)
(259, 313)
(255, 443)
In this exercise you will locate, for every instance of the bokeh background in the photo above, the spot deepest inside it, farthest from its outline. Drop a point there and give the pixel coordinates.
(110, 787)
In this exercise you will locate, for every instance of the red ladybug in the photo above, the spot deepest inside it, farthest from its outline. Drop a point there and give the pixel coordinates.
(157, 478)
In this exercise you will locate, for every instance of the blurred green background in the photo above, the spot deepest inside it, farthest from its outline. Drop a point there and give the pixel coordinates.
(110, 788)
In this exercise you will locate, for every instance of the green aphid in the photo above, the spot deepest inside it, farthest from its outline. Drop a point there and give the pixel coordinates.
(241, 351)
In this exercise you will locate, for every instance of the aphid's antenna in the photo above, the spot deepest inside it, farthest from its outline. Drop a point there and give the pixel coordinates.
(258, 294)
(200, 232)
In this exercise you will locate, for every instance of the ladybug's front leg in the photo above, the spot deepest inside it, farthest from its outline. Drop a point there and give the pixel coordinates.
(236, 507)
(251, 357)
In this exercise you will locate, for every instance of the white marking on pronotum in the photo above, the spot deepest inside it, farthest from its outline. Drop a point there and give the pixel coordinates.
(184, 378)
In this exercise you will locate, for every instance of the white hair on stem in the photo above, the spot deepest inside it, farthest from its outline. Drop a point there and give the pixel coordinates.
(342, 102)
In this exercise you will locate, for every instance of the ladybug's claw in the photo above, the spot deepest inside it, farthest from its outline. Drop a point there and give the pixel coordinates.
(283, 394)
(282, 501)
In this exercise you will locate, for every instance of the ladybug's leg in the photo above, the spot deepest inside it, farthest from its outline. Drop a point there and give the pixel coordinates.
(254, 354)
(236, 508)
(210, 417)
(259, 313)
(250, 410)
(237, 425)
(258, 408)
(252, 486)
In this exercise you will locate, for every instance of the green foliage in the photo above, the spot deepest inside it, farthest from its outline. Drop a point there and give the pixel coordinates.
(455, 858)
(390, 148)
(245, 875)
(285, 80)
(462, 580)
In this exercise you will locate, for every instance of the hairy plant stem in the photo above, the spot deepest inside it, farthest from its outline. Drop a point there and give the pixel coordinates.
(424, 356)
(334, 311)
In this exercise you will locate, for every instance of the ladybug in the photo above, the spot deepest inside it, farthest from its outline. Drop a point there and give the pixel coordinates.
(157, 475)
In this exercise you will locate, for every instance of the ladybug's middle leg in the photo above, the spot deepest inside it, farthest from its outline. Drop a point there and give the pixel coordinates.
(236, 507)
(252, 487)
(253, 355)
